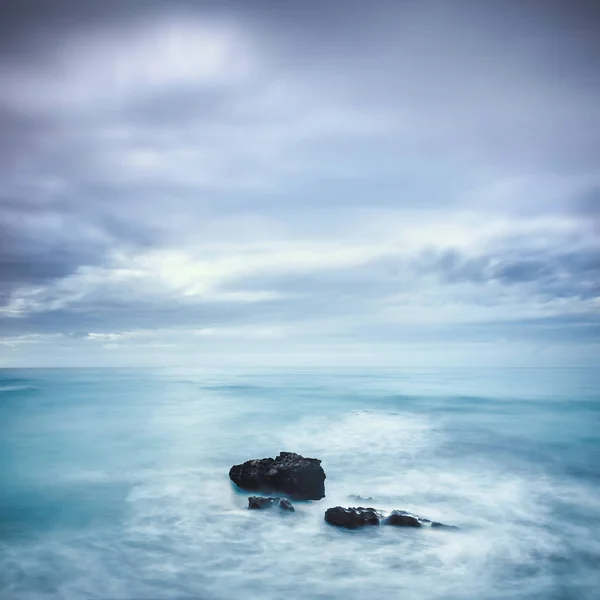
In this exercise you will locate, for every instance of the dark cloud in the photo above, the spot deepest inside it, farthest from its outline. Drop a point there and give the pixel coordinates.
(553, 274)
(588, 205)
(30, 261)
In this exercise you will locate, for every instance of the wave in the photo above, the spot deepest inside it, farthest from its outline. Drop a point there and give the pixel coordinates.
(17, 388)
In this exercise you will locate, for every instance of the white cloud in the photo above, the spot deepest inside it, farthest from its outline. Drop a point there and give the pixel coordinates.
(100, 71)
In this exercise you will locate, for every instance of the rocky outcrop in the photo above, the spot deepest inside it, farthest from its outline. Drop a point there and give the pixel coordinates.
(289, 473)
(352, 518)
(259, 502)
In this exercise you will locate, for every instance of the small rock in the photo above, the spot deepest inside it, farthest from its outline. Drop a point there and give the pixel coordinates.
(258, 502)
(441, 525)
(352, 518)
(399, 518)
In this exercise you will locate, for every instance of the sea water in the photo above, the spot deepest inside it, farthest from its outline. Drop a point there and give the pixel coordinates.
(114, 483)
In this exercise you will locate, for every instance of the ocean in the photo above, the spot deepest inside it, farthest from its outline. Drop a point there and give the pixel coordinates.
(114, 483)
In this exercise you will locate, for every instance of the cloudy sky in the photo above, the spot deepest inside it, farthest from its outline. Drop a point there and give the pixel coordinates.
(299, 182)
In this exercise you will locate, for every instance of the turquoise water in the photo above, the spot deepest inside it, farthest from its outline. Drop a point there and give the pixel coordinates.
(115, 486)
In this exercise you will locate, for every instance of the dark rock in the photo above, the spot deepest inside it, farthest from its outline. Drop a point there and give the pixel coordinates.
(399, 518)
(352, 518)
(260, 502)
(291, 474)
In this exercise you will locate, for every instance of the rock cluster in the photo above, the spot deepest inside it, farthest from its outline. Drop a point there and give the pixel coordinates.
(355, 517)
(303, 478)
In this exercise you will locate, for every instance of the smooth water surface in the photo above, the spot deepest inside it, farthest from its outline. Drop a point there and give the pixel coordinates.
(115, 483)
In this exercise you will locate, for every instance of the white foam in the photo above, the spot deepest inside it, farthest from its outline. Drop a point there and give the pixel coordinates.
(16, 388)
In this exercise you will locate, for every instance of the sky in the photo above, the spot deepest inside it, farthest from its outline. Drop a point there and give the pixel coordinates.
(406, 182)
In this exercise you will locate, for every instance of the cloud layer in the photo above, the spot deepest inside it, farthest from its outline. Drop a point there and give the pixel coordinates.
(312, 178)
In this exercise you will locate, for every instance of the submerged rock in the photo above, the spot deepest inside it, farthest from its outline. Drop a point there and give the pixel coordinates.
(261, 502)
(352, 518)
(289, 473)
(360, 498)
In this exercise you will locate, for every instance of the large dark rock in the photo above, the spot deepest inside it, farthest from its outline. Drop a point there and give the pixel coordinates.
(258, 502)
(352, 518)
(399, 518)
(291, 474)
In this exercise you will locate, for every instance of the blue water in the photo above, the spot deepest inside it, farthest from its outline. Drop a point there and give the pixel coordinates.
(114, 483)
